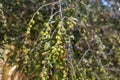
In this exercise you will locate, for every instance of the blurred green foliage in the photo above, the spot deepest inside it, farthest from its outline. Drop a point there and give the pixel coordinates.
(60, 40)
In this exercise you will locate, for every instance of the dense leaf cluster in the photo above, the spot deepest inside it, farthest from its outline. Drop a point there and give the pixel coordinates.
(61, 39)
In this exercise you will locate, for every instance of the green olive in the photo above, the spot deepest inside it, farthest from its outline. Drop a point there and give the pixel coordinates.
(32, 21)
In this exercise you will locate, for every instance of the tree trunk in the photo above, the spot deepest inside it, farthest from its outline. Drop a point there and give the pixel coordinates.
(10, 73)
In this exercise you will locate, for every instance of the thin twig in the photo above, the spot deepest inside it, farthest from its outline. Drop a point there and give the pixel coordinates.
(84, 55)
(113, 69)
(60, 9)
(41, 8)
(51, 17)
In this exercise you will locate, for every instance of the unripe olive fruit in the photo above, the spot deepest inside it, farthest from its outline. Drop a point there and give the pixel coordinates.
(32, 21)
(58, 38)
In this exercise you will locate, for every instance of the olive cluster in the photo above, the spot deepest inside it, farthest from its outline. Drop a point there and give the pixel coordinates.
(30, 26)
